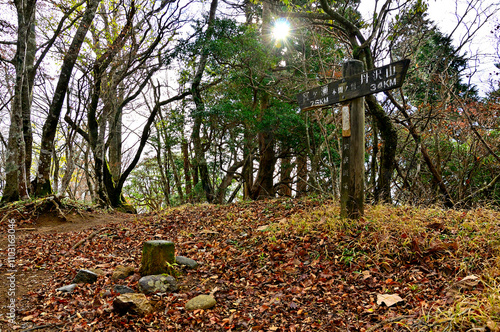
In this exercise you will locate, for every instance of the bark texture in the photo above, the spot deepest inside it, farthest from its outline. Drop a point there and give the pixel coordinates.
(200, 162)
(42, 180)
(18, 163)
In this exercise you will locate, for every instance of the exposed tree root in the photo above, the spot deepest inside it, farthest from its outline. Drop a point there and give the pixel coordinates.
(90, 237)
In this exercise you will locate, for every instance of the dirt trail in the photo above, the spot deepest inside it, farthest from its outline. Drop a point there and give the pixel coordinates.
(29, 281)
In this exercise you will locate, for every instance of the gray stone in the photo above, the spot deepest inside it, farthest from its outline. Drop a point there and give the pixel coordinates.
(122, 289)
(85, 277)
(122, 272)
(132, 302)
(201, 302)
(67, 289)
(191, 263)
(160, 283)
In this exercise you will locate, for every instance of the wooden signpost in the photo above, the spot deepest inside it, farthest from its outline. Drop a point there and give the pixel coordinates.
(353, 87)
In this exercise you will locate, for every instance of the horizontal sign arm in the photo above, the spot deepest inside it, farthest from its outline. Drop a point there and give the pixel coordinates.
(376, 80)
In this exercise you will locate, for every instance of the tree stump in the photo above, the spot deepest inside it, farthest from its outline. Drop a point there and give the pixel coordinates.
(157, 257)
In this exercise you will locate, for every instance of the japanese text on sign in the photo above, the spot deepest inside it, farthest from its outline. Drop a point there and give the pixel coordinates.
(373, 81)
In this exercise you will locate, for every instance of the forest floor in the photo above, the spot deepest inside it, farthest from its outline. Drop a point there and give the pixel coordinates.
(277, 265)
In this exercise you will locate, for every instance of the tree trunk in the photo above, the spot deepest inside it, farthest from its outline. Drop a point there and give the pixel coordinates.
(101, 166)
(165, 184)
(15, 174)
(227, 180)
(49, 128)
(27, 97)
(187, 169)
(195, 174)
(200, 163)
(374, 164)
(17, 161)
(285, 177)
(247, 172)
(233, 195)
(115, 142)
(108, 193)
(176, 174)
(55, 176)
(88, 176)
(70, 165)
(388, 151)
(263, 186)
(301, 175)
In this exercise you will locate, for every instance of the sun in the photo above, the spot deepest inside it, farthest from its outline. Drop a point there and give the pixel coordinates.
(281, 29)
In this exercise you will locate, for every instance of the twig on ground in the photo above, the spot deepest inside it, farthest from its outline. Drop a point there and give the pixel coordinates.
(387, 321)
(42, 327)
(90, 237)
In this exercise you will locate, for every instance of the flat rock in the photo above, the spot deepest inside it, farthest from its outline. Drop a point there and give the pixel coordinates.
(201, 302)
(85, 277)
(122, 272)
(160, 283)
(122, 289)
(67, 289)
(191, 263)
(133, 303)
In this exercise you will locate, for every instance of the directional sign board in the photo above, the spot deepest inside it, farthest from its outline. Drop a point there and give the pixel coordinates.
(356, 86)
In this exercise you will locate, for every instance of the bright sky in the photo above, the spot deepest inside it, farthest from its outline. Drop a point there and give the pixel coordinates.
(482, 45)
(446, 14)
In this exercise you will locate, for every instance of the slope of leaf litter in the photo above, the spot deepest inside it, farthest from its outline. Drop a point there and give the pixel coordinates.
(282, 265)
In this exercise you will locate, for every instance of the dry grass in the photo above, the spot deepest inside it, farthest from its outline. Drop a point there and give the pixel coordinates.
(454, 242)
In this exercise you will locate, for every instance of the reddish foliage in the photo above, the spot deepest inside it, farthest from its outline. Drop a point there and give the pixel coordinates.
(281, 281)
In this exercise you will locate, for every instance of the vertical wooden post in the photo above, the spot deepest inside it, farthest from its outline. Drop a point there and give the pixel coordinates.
(352, 192)
(353, 87)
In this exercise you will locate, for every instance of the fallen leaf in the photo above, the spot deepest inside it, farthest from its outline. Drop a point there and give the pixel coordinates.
(493, 326)
(287, 282)
(263, 228)
(468, 282)
(388, 299)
